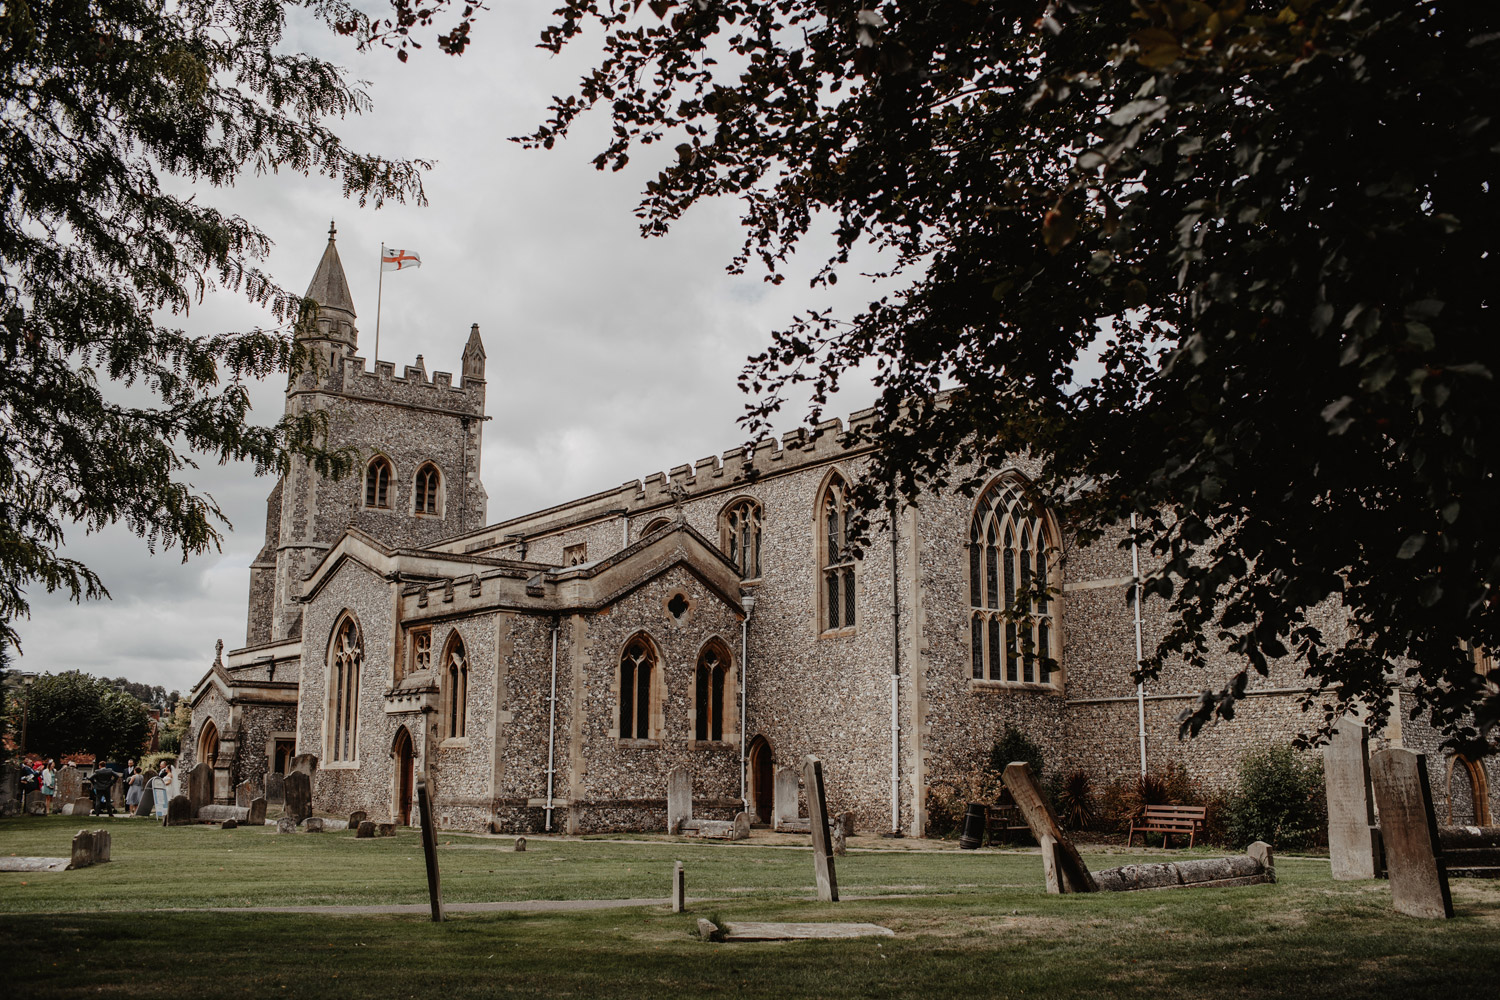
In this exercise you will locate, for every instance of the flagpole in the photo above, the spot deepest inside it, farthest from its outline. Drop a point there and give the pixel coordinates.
(379, 289)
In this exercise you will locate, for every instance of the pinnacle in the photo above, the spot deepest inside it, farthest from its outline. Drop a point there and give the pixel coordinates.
(329, 287)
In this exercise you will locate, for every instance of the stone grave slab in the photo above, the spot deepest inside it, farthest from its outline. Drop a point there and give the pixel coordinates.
(102, 844)
(1471, 851)
(199, 787)
(1353, 837)
(778, 931)
(679, 799)
(784, 803)
(385, 829)
(15, 864)
(179, 812)
(80, 806)
(83, 849)
(229, 824)
(1408, 830)
(298, 796)
(215, 813)
(365, 829)
(312, 824)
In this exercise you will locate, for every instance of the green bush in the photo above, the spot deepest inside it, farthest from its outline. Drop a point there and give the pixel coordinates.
(1279, 800)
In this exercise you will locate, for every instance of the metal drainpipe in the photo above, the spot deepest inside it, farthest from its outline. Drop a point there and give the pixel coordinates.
(1140, 687)
(748, 603)
(551, 726)
(895, 686)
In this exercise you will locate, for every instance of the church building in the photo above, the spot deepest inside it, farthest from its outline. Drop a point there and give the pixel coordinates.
(547, 671)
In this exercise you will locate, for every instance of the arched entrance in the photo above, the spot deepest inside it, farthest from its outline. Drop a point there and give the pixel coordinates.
(208, 743)
(405, 778)
(762, 778)
(1472, 794)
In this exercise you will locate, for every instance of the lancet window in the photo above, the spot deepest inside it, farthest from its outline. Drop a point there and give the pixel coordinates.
(378, 483)
(425, 496)
(1012, 625)
(838, 598)
(739, 536)
(456, 689)
(638, 666)
(347, 656)
(713, 669)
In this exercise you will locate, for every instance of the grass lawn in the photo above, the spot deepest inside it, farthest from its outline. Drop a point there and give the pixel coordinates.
(970, 924)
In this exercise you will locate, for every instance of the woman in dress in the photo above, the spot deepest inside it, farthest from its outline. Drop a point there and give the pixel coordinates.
(49, 784)
(135, 787)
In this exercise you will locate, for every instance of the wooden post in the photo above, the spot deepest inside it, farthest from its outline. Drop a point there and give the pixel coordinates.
(1064, 868)
(429, 849)
(679, 889)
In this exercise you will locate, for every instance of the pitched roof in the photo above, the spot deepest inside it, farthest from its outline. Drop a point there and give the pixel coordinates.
(329, 288)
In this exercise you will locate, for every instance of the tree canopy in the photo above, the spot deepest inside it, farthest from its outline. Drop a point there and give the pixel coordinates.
(1224, 265)
(103, 103)
(74, 713)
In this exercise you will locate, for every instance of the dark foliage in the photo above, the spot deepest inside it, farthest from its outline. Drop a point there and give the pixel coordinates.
(1074, 801)
(75, 713)
(1280, 799)
(1014, 745)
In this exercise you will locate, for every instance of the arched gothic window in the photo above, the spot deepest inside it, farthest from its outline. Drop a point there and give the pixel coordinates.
(456, 682)
(835, 558)
(713, 669)
(1009, 542)
(378, 483)
(346, 658)
(425, 496)
(739, 536)
(638, 664)
(656, 525)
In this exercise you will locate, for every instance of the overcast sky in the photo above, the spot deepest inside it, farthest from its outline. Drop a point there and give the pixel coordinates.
(610, 357)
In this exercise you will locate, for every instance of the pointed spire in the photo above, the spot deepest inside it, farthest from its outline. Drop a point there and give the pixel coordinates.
(474, 355)
(329, 288)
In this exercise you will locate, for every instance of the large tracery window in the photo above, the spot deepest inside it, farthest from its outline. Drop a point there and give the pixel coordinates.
(713, 669)
(739, 536)
(638, 664)
(425, 496)
(378, 483)
(456, 683)
(1009, 543)
(343, 696)
(837, 561)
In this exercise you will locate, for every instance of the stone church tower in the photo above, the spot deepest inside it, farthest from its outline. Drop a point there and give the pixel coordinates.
(416, 442)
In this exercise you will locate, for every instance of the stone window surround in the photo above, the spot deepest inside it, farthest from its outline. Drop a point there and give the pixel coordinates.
(755, 513)
(1048, 533)
(408, 665)
(370, 469)
(452, 733)
(729, 737)
(836, 477)
(658, 692)
(666, 609)
(441, 495)
(330, 694)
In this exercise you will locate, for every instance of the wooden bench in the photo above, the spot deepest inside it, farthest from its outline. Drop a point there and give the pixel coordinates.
(1005, 817)
(1167, 820)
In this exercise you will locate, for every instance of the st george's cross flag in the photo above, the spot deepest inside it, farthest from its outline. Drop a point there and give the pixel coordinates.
(397, 260)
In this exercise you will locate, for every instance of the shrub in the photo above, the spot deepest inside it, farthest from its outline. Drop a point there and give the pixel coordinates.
(947, 801)
(1074, 800)
(1014, 745)
(1279, 800)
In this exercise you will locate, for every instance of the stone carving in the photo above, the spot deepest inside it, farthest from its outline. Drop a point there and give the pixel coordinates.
(1353, 837)
(817, 813)
(179, 812)
(1408, 831)
(298, 796)
(679, 798)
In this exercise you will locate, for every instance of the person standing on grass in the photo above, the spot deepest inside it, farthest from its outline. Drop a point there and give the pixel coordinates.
(49, 784)
(135, 788)
(103, 782)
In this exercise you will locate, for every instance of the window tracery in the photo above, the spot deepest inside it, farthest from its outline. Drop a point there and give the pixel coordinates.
(456, 684)
(425, 495)
(739, 536)
(1012, 630)
(837, 592)
(638, 665)
(713, 669)
(378, 483)
(346, 659)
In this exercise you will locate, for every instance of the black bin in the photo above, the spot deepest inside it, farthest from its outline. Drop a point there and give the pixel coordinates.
(975, 820)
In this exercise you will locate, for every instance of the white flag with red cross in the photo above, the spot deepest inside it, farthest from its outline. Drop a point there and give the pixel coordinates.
(398, 260)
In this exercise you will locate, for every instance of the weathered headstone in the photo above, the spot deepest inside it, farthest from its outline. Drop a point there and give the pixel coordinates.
(102, 842)
(520, 843)
(286, 825)
(10, 807)
(298, 796)
(199, 787)
(1064, 869)
(276, 788)
(817, 813)
(305, 763)
(255, 812)
(846, 820)
(216, 813)
(679, 798)
(365, 830)
(741, 826)
(81, 806)
(679, 888)
(83, 849)
(385, 829)
(836, 838)
(429, 851)
(36, 804)
(784, 798)
(1260, 851)
(1409, 833)
(179, 812)
(229, 824)
(1353, 837)
(355, 818)
(245, 791)
(69, 783)
(313, 824)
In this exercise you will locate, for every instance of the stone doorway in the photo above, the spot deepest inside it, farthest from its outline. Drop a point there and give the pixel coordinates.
(762, 778)
(281, 756)
(405, 775)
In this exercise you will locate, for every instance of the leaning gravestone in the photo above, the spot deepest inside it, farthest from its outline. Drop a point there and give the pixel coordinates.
(1408, 829)
(83, 849)
(679, 798)
(298, 796)
(200, 787)
(81, 806)
(1353, 837)
(286, 825)
(255, 812)
(817, 814)
(244, 792)
(276, 788)
(148, 801)
(179, 812)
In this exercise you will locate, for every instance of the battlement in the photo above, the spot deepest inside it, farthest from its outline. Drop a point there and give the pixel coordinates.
(412, 387)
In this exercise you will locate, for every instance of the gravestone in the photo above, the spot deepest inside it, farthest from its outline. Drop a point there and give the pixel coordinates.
(313, 824)
(276, 788)
(305, 763)
(679, 888)
(229, 824)
(102, 842)
(836, 838)
(179, 812)
(83, 849)
(1409, 833)
(784, 798)
(69, 783)
(679, 798)
(1065, 871)
(36, 804)
(365, 830)
(520, 843)
(81, 806)
(741, 826)
(385, 829)
(356, 818)
(255, 812)
(817, 814)
(286, 825)
(244, 792)
(846, 820)
(10, 807)
(1353, 837)
(199, 787)
(298, 796)
(429, 850)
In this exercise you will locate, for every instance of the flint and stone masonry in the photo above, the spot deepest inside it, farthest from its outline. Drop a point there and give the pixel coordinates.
(393, 634)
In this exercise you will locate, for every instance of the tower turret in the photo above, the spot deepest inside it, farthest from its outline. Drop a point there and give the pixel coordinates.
(334, 322)
(473, 357)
